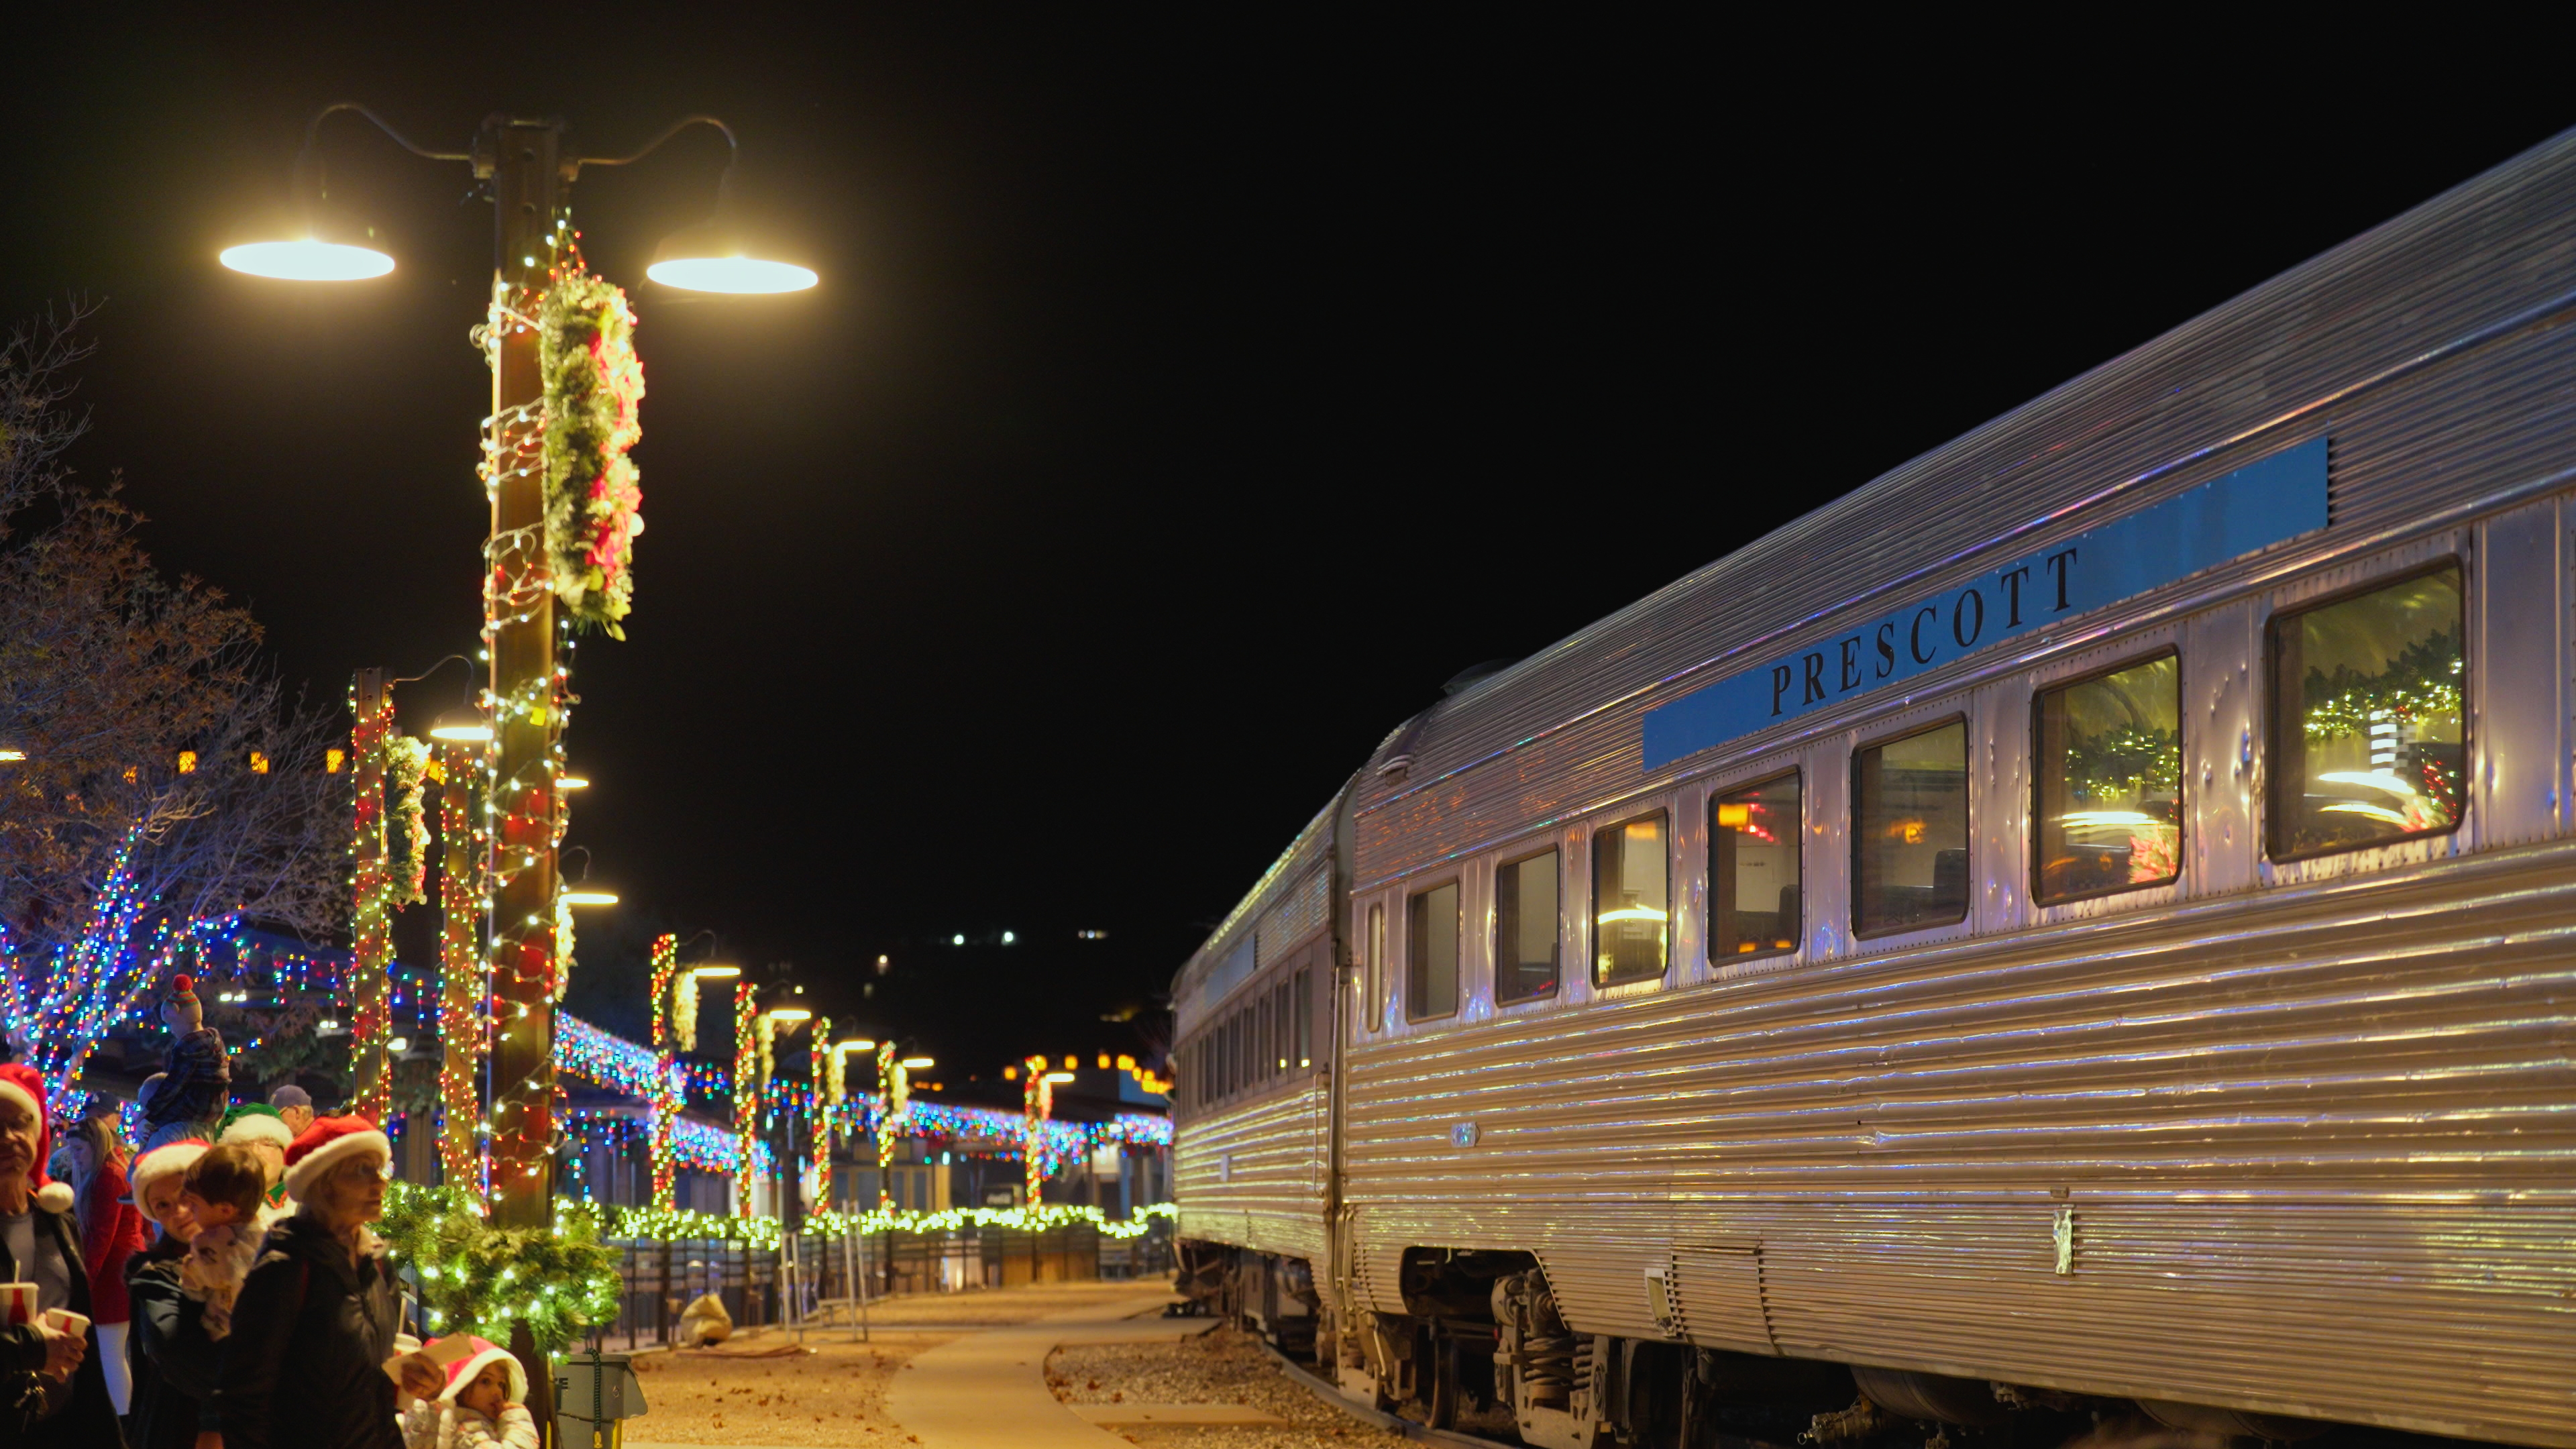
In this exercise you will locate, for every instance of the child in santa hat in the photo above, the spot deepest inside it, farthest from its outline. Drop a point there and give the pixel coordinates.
(483, 1404)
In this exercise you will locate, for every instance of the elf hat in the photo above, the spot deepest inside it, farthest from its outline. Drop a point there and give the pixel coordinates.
(326, 1144)
(20, 1084)
(167, 1160)
(486, 1353)
(256, 1122)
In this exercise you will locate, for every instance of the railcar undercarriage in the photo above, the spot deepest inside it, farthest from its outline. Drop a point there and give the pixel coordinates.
(1482, 1343)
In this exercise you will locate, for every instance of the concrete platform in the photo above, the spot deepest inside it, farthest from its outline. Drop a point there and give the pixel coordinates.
(988, 1390)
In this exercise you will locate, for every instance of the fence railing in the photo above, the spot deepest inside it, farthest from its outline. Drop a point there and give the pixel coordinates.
(813, 1279)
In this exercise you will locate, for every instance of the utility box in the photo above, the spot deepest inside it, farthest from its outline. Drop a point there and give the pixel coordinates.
(594, 1395)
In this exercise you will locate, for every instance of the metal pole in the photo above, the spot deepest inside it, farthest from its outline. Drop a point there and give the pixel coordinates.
(526, 703)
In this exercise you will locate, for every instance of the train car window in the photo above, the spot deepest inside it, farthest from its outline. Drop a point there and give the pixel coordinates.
(1753, 836)
(2367, 744)
(1526, 928)
(2109, 752)
(1305, 1016)
(1910, 831)
(1374, 979)
(1431, 954)
(1631, 900)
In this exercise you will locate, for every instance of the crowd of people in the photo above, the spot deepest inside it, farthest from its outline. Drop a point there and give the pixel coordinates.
(261, 1311)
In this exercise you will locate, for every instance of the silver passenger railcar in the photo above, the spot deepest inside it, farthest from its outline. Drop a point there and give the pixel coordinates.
(2078, 928)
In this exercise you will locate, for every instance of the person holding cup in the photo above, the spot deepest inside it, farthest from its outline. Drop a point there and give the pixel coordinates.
(52, 1392)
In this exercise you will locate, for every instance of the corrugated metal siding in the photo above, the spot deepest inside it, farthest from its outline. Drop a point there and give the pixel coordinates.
(1299, 914)
(2385, 343)
(1274, 1201)
(2320, 1151)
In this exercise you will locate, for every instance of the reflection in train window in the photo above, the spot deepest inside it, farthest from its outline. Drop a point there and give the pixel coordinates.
(1631, 896)
(1431, 954)
(2366, 738)
(1305, 1016)
(1910, 831)
(1753, 838)
(2110, 781)
(1525, 928)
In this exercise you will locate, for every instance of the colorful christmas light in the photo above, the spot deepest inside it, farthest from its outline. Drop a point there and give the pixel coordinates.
(371, 703)
(666, 1097)
(746, 1096)
(463, 979)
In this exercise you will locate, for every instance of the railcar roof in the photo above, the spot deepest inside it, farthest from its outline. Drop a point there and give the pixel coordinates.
(2217, 389)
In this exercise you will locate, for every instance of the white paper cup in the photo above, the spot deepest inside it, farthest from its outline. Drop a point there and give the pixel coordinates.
(17, 1304)
(63, 1320)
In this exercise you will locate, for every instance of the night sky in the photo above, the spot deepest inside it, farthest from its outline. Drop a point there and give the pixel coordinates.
(1187, 396)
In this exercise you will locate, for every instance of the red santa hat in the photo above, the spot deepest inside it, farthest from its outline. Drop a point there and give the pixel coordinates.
(485, 1354)
(183, 990)
(326, 1144)
(19, 1083)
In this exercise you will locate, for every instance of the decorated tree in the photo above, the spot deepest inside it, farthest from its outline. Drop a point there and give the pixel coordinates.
(166, 784)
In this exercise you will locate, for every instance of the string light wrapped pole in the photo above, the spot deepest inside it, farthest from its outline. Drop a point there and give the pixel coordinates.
(666, 1109)
(894, 1103)
(371, 702)
(1037, 1103)
(746, 1098)
(463, 975)
(827, 1095)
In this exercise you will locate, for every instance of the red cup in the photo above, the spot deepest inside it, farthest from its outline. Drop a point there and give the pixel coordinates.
(17, 1304)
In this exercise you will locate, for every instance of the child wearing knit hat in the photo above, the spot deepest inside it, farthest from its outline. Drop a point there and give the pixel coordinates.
(482, 1406)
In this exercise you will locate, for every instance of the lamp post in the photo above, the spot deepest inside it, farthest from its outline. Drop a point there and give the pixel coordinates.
(894, 1104)
(524, 164)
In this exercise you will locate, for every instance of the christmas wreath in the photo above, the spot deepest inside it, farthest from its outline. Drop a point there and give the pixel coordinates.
(593, 384)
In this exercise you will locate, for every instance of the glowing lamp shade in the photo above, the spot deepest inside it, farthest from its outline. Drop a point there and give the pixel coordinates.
(590, 898)
(716, 973)
(856, 1044)
(915, 1064)
(1059, 1078)
(571, 782)
(469, 733)
(309, 261)
(738, 275)
(791, 1013)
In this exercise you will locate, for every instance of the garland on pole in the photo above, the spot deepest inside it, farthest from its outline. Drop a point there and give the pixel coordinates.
(683, 1225)
(407, 768)
(667, 1100)
(894, 1102)
(593, 385)
(819, 1119)
(371, 701)
(1037, 1104)
(463, 975)
(746, 1099)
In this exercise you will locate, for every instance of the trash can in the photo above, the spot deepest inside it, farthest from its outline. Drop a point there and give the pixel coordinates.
(594, 1395)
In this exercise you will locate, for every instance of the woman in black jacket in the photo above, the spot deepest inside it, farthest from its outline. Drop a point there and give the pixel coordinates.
(52, 1395)
(315, 1322)
(172, 1359)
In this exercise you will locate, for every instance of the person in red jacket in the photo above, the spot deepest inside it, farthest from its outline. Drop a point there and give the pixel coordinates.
(111, 1231)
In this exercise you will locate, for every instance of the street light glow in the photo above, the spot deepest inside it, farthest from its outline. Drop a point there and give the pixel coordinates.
(12, 755)
(915, 1064)
(716, 973)
(742, 276)
(1059, 1078)
(571, 782)
(854, 1044)
(470, 733)
(791, 1013)
(590, 898)
(310, 261)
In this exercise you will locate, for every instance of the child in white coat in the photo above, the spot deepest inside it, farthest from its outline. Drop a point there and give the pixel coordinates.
(483, 1406)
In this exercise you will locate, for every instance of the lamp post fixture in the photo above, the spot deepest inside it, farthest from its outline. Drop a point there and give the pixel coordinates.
(675, 1027)
(529, 175)
(894, 1104)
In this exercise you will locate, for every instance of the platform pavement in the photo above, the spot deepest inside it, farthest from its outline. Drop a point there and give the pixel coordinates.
(988, 1390)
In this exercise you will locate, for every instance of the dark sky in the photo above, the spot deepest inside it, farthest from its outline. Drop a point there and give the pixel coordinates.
(1188, 395)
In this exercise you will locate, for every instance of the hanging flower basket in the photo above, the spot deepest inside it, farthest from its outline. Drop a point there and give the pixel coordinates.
(594, 506)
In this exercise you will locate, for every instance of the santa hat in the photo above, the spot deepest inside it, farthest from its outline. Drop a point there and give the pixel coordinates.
(256, 1122)
(20, 1084)
(183, 990)
(166, 1160)
(485, 1354)
(326, 1144)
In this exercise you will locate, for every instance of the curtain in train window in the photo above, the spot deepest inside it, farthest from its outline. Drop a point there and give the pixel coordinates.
(1631, 901)
(2110, 781)
(1431, 954)
(1526, 927)
(1753, 836)
(1910, 831)
(2366, 739)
